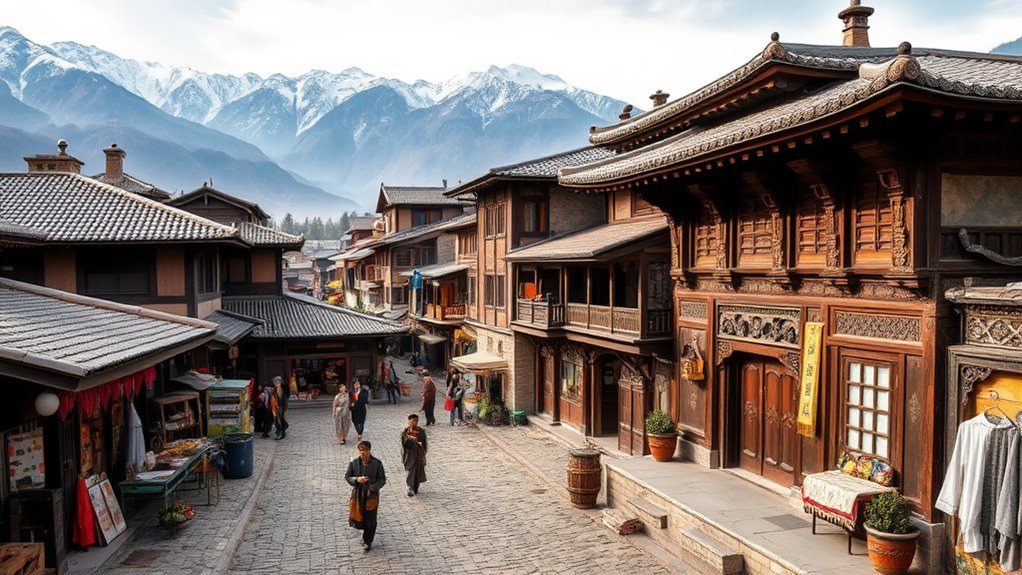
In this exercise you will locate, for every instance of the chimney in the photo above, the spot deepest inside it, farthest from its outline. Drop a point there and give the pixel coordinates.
(59, 162)
(114, 163)
(659, 98)
(856, 19)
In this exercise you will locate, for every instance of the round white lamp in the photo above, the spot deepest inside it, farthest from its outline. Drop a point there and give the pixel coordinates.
(46, 404)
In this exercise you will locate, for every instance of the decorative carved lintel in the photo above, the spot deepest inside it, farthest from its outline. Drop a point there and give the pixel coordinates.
(969, 376)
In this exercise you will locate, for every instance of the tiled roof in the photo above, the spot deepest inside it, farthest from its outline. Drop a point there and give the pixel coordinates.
(291, 316)
(438, 270)
(418, 232)
(545, 167)
(413, 196)
(135, 186)
(207, 190)
(256, 235)
(74, 208)
(589, 243)
(233, 326)
(77, 336)
(16, 233)
(354, 254)
(362, 223)
(965, 73)
(986, 76)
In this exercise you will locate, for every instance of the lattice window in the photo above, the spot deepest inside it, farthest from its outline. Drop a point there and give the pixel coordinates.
(868, 421)
(705, 246)
(873, 220)
(812, 226)
(754, 231)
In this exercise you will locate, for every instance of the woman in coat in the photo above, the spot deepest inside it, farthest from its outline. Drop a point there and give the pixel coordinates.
(342, 413)
(428, 399)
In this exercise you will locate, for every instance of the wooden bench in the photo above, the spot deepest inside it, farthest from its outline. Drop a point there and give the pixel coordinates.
(840, 499)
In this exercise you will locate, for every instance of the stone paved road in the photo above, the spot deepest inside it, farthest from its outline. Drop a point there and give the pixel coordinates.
(480, 511)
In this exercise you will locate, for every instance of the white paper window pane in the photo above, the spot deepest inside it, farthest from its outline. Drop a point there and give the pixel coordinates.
(867, 373)
(884, 400)
(853, 439)
(881, 449)
(867, 442)
(867, 420)
(867, 396)
(884, 377)
(881, 424)
(853, 395)
(853, 416)
(853, 372)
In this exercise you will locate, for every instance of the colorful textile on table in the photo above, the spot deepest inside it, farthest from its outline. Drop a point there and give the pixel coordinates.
(810, 376)
(838, 492)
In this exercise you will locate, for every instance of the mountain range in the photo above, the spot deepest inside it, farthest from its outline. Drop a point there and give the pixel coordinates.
(316, 144)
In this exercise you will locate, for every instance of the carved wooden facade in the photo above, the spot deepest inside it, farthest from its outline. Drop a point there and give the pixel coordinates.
(840, 204)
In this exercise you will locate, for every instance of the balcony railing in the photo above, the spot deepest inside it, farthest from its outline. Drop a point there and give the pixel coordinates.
(442, 313)
(540, 313)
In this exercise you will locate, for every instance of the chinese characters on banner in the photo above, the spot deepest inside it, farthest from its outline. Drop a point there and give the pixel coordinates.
(810, 376)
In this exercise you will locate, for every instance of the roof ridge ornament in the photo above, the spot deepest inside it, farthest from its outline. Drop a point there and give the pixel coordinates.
(774, 50)
(903, 67)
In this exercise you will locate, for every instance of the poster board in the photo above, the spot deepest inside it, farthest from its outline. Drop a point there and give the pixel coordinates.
(25, 460)
(105, 519)
(113, 506)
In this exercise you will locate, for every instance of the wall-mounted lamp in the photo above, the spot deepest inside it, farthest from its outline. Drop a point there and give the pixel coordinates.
(47, 403)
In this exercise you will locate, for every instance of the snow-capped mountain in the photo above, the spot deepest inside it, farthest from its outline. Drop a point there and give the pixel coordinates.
(345, 131)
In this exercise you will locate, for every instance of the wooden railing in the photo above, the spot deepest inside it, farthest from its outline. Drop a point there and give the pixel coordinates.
(451, 311)
(658, 323)
(441, 313)
(623, 320)
(540, 313)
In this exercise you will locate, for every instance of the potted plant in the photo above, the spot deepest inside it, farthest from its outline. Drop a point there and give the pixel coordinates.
(661, 435)
(890, 536)
(175, 516)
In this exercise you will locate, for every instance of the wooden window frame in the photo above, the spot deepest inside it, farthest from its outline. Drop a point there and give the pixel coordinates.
(500, 292)
(874, 361)
(877, 251)
(571, 387)
(540, 217)
(641, 207)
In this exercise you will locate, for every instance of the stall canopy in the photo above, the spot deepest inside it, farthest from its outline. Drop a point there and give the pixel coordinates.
(430, 339)
(479, 361)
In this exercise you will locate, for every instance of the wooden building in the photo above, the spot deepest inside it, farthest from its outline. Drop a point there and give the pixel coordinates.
(845, 185)
(596, 305)
(516, 206)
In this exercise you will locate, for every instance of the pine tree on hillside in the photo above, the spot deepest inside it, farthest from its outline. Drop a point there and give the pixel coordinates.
(344, 225)
(287, 225)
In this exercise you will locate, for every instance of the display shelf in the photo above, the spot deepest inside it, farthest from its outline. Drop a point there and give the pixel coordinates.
(178, 414)
(227, 407)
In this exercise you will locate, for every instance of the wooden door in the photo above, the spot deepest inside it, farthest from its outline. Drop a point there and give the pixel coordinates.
(631, 436)
(768, 444)
(549, 379)
(608, 382)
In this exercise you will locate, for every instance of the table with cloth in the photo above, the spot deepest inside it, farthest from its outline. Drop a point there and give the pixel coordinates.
(839, 498)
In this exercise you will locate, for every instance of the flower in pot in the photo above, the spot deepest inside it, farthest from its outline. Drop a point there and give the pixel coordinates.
(661, 435)
(890, 536)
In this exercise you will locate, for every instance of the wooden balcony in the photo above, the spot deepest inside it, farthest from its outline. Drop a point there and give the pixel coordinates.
(439, 312)
(542, 314)
(621, 320)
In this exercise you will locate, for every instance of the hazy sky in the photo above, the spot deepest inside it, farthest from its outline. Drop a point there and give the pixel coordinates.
(624, 48)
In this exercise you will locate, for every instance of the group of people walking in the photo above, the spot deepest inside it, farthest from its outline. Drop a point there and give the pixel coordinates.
(365, 473)
(271, 409)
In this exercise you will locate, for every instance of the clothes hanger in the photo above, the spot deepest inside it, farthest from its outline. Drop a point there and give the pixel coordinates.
(996, 405)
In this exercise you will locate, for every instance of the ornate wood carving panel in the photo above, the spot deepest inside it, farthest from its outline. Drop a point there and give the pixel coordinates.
(778, 326)
(697, 310)
(878, 326)
(994, 325)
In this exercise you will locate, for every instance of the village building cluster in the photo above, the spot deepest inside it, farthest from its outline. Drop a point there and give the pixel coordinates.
(809, 259)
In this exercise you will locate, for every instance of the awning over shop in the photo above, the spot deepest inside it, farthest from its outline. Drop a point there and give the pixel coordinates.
(438, 270)
(480, 361)
(430, 339)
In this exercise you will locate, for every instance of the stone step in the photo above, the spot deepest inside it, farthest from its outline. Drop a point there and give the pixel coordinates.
(707, 555)
(650, 513)
(620, 521)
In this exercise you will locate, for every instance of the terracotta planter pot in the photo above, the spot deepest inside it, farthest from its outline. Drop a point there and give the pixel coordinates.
(662, 446)
(891, 554)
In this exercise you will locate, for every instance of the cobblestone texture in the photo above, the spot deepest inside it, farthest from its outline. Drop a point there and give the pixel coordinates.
(481, 511)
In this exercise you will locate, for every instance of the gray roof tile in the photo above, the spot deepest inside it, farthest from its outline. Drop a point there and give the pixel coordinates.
(301, 317)
(233, 326)
(591, 242)
(78, 336)
(136, 186)
(74, 208)
(256, 235)
(545, 167)
(413, 196)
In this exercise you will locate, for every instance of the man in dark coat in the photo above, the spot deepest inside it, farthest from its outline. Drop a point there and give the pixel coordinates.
(413, 454)
(359, 407)
(366, 477)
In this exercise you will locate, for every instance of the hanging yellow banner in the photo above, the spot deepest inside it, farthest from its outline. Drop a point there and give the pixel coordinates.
(810, 377)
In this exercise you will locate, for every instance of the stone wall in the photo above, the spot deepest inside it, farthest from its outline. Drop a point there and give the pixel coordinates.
(570, 211)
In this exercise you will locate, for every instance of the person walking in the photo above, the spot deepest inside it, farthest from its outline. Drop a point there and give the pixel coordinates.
(366, 477)
(259, 410)
(413, 454)
(456, 393)
(391, 381)
(279, 407)
(428, 399)
(359, 407)
(342, 413)
(266, 398)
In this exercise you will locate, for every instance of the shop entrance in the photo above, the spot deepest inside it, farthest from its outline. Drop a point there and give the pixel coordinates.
(607, 380)
(766, 397)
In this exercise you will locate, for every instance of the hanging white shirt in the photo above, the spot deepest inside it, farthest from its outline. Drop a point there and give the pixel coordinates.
(962, 492)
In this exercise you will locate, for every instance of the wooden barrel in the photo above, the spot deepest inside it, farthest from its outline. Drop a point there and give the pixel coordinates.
(584, 477)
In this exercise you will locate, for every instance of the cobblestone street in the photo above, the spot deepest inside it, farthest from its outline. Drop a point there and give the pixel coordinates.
(480, 511)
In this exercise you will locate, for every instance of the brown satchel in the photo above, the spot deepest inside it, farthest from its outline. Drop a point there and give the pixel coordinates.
(354, 512)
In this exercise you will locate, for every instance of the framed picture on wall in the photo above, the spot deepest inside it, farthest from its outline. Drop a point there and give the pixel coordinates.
(25, 460)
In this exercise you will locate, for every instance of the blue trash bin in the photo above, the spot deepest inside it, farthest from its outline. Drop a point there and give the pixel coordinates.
(239, 456)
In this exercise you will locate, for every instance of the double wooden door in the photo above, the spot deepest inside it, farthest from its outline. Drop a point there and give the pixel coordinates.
(768, 442)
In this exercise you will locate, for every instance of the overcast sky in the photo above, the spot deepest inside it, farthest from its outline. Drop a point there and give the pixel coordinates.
(621, 48)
